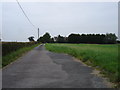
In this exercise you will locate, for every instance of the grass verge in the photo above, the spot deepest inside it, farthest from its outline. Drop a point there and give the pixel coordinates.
(102, 57)
(16, 54)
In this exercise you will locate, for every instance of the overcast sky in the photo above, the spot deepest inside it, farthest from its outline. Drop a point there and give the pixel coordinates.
(58, 18)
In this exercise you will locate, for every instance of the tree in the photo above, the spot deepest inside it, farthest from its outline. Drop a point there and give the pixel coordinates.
(110, 38)
(60, 39)
(83, 38)
(74, 38)
(40, 39)
(31, 39)
(46, 38)
(118, 41)
(52, 40)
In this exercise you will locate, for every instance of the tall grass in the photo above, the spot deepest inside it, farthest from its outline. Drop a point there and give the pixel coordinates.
(7, 59)
(104, 57)
(8, 47)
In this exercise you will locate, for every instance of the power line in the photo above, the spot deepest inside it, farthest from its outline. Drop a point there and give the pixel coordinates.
(25, 14)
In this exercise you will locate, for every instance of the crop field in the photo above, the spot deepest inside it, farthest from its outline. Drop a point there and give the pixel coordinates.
(12, 50)
(102, 57)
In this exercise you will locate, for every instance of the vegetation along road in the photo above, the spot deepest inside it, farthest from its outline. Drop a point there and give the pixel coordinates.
(40, 68)
(101, 56)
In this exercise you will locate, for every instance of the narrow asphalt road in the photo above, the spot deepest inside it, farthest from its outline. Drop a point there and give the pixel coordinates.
(40, 68)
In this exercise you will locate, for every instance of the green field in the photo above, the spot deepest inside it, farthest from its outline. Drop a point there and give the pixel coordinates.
(103, 57)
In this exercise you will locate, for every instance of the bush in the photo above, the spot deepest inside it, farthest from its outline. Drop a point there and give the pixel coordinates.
(8, 47)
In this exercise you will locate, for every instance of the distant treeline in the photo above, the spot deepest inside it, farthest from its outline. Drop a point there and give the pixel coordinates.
(108, 38)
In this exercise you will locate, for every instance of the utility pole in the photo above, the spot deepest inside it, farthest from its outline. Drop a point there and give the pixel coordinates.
(38, 33)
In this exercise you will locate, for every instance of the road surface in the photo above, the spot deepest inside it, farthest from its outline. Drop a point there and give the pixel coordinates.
(40, 68)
